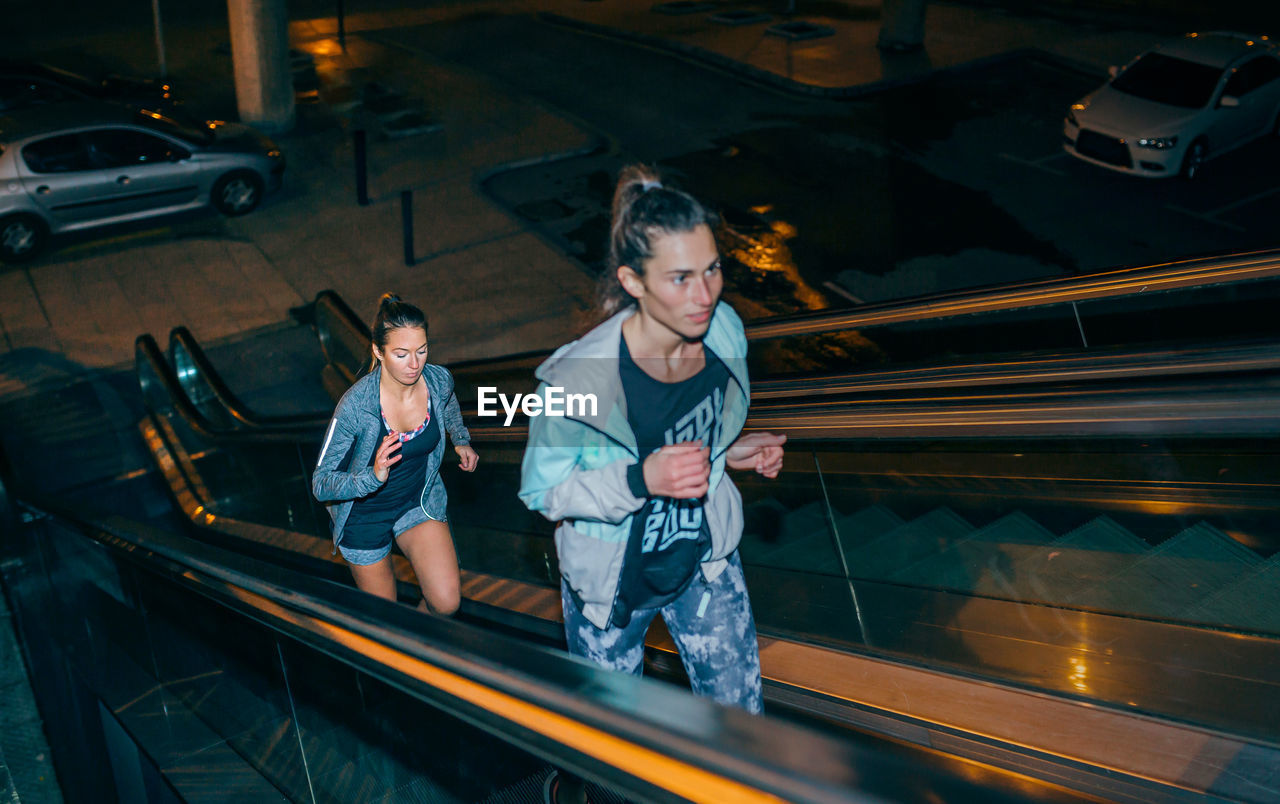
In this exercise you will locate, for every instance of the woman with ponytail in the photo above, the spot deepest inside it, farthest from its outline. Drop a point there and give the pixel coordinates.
(648, 520)
(379, 468)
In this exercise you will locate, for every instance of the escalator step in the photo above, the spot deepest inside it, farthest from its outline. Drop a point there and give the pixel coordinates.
(1253, 602)
(72, 435)
(983, 561)
(1096, 550)
(869, 523)
(1174, 576)
(904, 545)
(801, 538)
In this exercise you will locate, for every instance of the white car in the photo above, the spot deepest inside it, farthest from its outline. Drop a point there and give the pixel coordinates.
(1175, 107)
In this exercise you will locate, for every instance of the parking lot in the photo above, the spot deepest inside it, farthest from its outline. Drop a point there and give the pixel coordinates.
(956, 181)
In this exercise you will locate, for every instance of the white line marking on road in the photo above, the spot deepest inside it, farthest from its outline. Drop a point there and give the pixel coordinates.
(1029, 163)
(839, 291)
(1206, 218)
(1246, 200)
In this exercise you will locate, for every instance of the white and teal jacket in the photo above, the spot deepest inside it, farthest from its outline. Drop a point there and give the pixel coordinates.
(343, 474)
(575, 466)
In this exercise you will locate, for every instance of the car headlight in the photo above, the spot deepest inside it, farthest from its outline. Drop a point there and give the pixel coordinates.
(1158, 143)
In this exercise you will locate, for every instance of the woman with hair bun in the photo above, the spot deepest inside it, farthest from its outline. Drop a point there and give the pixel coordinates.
(649, 521)
(379, 468)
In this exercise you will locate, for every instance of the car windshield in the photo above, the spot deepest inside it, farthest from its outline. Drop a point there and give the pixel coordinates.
(177, 125)
(1164, 79)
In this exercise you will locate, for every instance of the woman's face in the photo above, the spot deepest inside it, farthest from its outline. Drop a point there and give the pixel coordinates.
(404, 354)
(682, 282)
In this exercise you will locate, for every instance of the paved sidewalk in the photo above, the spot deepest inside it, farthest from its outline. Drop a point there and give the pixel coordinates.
(847, 63)
(87, 300)
(490, 284)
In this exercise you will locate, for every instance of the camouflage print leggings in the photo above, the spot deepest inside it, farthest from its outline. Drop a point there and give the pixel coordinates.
(711, 624)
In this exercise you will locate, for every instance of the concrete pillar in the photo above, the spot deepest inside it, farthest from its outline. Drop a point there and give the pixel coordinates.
(260, 54)
(902, 25)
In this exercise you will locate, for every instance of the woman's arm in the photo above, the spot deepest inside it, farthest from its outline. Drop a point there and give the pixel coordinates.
(328, 483)
(759, 451)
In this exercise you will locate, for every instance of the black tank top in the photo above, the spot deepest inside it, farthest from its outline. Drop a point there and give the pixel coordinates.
(668, 537)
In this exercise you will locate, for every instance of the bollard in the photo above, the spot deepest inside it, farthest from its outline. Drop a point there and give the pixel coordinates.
(406, 218)
(362, 167)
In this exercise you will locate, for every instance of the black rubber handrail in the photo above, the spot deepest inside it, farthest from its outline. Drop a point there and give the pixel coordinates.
(207, 391)
(1173, 406)
(162, 392)
(1141, 281)
(1228, 358)
(341, 322)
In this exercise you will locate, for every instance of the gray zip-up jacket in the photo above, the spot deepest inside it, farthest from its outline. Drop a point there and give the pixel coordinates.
(343, 474)
(575, 466)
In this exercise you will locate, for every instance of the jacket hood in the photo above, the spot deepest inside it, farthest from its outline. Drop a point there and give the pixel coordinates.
(590, 364)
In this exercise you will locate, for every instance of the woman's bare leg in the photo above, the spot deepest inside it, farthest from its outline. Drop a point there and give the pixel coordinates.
(376, 579)
(429, 547)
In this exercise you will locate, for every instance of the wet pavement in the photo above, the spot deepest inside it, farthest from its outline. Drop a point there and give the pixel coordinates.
(957, 180)
(844, 175)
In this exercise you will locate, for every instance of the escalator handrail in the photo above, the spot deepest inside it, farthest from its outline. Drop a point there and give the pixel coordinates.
(1143, 281)
(1230, 358)
(199, 380)
(336, 322)
(1140, 410)
(648, 728)
(1176, 408)
(162, 392)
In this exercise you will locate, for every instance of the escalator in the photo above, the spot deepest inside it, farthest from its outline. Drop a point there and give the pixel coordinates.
(1060, 563)
(1048, 571)
(170, 670)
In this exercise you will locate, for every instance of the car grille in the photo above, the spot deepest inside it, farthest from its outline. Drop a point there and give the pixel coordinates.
(1103, 148)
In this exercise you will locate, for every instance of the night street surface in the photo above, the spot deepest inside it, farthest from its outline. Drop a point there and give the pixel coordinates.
(956, 181)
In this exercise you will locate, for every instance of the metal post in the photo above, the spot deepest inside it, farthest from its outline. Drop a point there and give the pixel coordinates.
(155, 15)
(406, 218)
(362, 168)
(342, 26)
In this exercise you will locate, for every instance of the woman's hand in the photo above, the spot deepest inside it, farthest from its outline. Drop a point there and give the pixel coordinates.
(759, 451)
(468, 457)
(679, 471)
(386, 456)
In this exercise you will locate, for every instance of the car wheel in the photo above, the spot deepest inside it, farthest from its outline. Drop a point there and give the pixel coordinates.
(237, 193)
(22, 237)
(1193, 162)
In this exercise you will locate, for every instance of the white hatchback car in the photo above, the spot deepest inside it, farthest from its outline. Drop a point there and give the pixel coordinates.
(1173, 108)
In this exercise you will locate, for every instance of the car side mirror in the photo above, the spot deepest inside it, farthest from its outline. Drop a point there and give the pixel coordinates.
(1229, 102)
(178, 156)
(1113, 71)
